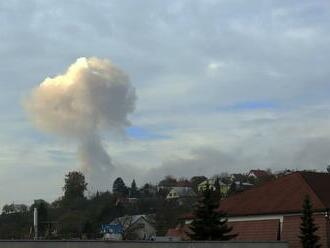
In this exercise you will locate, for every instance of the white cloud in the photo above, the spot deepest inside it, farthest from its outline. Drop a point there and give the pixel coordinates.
(215, 65)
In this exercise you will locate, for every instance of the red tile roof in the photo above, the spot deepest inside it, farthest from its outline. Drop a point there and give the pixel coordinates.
(179, 232)
(284, 195)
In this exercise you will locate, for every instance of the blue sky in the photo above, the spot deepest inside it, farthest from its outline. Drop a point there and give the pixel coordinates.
(140, 133)
(221, 86)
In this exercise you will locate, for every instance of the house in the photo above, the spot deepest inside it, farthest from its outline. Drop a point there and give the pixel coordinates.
(238, 186)
(14, 208)
(180, 192)
(239, 177)
(259, 174)
(272, 211)
(133, 227)
(178, 233)
(112, 231)
(283, 172)
(224, 188)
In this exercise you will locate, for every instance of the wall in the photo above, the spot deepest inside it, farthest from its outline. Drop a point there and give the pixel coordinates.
(256, 230)
(109, 244)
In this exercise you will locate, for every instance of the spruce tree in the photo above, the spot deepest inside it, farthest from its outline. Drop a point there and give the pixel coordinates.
(133, 189)
(119, 187)
(217, 187)
(209, 222)
(307, 228)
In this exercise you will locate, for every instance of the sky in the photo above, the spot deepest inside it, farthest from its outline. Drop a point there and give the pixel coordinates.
(221, 86)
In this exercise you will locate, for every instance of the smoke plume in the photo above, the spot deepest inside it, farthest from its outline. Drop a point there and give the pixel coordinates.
(91, 97)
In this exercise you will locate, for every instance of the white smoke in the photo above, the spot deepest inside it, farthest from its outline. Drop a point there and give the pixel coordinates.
(92, 96)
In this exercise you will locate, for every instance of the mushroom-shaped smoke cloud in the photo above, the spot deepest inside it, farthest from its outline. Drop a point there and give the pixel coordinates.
(91, 97)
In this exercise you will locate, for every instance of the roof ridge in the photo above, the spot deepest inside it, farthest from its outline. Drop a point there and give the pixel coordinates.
(283, 195)
(262, 185)
(301, 173)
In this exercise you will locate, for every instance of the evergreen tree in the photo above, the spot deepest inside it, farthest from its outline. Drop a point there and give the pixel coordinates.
(133, 190)
(168, 181)
(43, 215)
(119, 187)
(75, 185)
(307, 228)
(217, 188)
(148, 190)
(209, 222)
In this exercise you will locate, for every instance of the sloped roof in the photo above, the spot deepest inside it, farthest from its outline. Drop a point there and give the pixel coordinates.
(129, 220)
(259, 173)
(320, 183)
(179, 232)
(284, 195)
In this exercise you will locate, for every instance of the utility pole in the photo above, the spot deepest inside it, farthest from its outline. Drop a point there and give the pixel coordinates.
(35, 223)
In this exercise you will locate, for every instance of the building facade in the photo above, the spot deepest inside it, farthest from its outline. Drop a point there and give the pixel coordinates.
(273, 211)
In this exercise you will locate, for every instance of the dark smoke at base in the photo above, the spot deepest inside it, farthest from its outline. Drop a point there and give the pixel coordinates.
(95, 163)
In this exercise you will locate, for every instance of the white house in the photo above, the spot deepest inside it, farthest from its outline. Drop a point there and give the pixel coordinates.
(136, 227)
(180, 192)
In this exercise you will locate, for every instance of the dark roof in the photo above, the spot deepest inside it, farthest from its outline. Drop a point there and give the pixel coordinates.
(283, 195)
(320, 183)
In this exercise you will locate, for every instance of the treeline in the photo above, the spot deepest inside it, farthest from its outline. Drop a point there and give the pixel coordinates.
(74, 215)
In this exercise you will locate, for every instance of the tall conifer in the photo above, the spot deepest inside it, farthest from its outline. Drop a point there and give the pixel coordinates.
(209, 223)
(307, 228)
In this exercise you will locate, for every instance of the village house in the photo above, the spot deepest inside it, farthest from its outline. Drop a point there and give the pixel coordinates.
(224, 188)
(112, 231)
(180, 192)
(239, 186)
(14, 208)
(259, 174)
(273, 210)
(133, 227)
